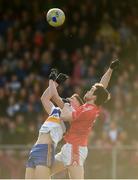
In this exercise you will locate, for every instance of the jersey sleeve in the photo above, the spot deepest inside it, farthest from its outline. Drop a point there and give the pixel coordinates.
(52, 109)
(79, 114)
(55, 112)
(83, 114)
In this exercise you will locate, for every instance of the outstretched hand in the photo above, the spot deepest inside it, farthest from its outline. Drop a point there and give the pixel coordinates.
(53, 74)
(61, 78)
(115, 64)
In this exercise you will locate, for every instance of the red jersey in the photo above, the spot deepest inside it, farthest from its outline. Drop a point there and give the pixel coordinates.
(81, 125)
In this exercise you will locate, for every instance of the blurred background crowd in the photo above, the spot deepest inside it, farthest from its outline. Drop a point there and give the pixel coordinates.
(95, 33)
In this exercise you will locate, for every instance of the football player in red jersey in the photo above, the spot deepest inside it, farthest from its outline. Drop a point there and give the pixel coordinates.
(82, 118)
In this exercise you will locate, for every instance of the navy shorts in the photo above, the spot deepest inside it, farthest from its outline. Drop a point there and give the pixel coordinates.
(41, 154)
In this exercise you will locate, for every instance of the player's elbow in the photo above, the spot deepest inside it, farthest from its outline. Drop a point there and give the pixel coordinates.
(104, 85)
(42, 98)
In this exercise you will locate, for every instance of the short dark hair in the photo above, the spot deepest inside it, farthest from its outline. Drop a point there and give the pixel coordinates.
(101, 95)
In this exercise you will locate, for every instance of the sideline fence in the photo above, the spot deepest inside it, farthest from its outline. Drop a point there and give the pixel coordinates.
(102, 163)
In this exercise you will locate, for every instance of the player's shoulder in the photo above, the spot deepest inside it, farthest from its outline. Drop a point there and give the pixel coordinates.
(55, 110)
(90, 107)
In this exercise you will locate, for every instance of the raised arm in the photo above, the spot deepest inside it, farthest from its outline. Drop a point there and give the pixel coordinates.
(66, 113)
(47, 95)
(46, 100)
(107, 76)
(53, 86)
(55, 96)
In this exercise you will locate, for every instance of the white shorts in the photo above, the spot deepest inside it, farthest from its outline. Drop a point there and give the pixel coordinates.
(72, 154)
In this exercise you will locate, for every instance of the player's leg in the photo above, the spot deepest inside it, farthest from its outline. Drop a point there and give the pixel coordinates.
(41, 157)
(63, 158)
(60, 161)
(76, 172)
(78, 156)
(30, 173)
(42, 172)
(57, 167)
(30, 167)
(44, 161)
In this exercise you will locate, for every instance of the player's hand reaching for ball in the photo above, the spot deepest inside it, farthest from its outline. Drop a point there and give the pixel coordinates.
(114, 64)
(61, 78)
(53, 74)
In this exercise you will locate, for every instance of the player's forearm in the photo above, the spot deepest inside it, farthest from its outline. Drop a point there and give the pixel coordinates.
(55, 96)
(45, 99)
(106, 78)
(58, 101)
(46, 94)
